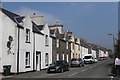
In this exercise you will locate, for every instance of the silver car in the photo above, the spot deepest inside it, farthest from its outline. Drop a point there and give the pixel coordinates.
(77, 62)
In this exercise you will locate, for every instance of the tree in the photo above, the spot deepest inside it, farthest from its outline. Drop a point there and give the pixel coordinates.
(117, 48)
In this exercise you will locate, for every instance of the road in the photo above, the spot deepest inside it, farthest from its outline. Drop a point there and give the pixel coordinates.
(96, 70)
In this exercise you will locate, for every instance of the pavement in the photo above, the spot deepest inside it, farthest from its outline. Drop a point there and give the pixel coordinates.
(100, 70)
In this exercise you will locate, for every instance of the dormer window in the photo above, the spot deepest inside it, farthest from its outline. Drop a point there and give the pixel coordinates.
(27, 35)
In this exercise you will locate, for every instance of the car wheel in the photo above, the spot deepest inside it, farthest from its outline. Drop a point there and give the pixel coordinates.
(91, 62)
(83, 65)
(68, 69)
(48, 71)
(79, 65)
(62, 70)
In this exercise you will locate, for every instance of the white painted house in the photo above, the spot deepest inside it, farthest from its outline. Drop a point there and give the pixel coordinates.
(84, 50)
(106, 54)
(9, 39)
(101, 53)
(43, 43)
(25, 45)
(77, 48)
(94, 53)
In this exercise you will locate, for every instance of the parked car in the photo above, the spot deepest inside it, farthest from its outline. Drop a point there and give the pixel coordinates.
(95, 60)
(58, 66)
(104, 58)
(88, 59)
(77, 62)
(100, 58)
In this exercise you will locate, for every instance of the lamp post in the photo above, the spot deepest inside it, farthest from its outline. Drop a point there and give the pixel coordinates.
(113, 43)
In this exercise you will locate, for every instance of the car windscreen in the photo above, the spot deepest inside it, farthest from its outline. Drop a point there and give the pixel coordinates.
(74, 59)
(87, 57)
(57, 63)
(80, 59)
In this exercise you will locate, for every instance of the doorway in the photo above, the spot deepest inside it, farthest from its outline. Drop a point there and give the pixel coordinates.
(38, 60)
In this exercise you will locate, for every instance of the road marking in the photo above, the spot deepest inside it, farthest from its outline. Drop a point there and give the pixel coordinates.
(84, 70)
(111, 78)
(73, 74)
(95, 65)
(90, 67)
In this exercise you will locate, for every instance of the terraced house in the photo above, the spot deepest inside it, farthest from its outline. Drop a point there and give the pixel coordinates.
(25, 42)
(71, 38)
(60, 43)
(84, 49)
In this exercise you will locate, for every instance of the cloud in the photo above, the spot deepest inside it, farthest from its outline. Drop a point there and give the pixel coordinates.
(50, 19)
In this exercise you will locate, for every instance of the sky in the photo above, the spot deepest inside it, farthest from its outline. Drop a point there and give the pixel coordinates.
(92, 21)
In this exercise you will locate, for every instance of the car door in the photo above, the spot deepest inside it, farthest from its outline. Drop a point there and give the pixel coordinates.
(66, 65)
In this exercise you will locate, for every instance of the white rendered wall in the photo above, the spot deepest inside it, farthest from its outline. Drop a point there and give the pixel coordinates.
(101, 53)
(77, 50)
(1, 40)
(8, 29)
(94, 53)
(84, 51)
(26, 47)
(40, 46)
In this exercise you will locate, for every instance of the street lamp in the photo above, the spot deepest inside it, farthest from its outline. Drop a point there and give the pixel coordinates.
(113, 42)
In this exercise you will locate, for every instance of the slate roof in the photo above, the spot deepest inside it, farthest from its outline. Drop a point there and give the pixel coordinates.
(56, 25)
(11, 15)
(62, 36)
(37, 28)
(19, 19)
(84, 44)
(52, 31)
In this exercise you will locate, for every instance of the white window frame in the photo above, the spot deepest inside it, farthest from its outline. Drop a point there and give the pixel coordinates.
(63, 56)
(27, 59)
(46, 40)
(57, 56)
(66, 44)
(67, 56)
(27, 35)
(57, 42)
(46, 59)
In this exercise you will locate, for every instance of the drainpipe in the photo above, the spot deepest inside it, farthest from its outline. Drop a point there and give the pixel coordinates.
(18, 50)
(33, 51)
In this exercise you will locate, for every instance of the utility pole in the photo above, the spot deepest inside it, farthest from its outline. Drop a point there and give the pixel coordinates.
(113, 43)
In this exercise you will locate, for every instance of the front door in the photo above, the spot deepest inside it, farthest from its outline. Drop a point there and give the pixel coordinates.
(38, 60)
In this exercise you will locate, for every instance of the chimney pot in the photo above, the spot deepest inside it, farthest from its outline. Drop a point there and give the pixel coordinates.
(34, 13)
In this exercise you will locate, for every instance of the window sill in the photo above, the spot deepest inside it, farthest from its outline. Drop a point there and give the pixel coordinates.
(46, 65)
(27, 42)
(27, 66)
(47, 45)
